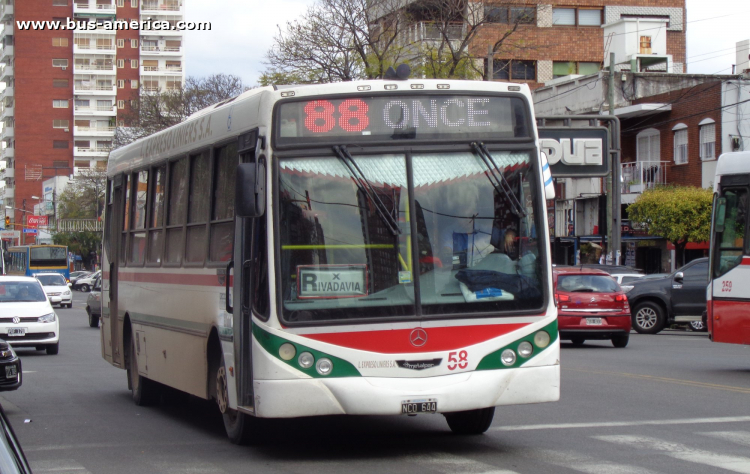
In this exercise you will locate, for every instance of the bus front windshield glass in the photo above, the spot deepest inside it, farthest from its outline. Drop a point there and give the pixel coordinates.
(348, 250)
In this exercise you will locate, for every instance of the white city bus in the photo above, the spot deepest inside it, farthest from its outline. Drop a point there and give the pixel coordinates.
(373, 247)
(728, 295)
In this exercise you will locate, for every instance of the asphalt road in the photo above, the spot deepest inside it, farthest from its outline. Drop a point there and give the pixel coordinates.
(670, 403)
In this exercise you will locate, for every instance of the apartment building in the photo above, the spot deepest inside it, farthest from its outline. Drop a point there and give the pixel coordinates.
(64, 87)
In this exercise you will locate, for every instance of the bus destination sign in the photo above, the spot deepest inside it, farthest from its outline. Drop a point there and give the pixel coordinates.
(422, 117)
(331, 281)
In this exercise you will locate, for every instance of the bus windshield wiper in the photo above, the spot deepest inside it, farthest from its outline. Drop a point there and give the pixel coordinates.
(366, 188)
(497, 179)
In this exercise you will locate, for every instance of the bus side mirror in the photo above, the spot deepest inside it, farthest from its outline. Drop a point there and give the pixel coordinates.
(250, 191)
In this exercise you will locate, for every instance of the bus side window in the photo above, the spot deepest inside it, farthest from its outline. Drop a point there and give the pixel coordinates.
(730, 237)
(260, 268)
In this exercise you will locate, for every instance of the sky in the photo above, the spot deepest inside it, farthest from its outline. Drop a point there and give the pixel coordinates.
(243, 30)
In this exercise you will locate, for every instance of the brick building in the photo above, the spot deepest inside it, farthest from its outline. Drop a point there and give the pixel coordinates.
(65, 84)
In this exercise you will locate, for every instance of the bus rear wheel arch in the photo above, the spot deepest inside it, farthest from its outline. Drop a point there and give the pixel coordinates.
(145, 392)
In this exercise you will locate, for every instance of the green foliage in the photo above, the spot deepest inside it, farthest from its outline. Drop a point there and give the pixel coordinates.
(81, 243)
(680, 214)
(444, 64)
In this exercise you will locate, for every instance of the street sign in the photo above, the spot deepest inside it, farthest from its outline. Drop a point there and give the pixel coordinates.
(575, 152)
(29, 231)
(10, 234)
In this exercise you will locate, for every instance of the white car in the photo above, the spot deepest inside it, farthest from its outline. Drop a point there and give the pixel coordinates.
(86, 283)
(624, 278)
(56, 288)
(26, 314)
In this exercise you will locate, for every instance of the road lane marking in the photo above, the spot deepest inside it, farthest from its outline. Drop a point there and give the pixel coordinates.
(737, 437)
(58, 466)
(614, 424)
(451, 464)
(582, 463)
(691, 383)
(681, 452)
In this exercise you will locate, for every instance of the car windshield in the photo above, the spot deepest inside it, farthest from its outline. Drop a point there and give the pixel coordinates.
(587, 283)
(15, 291)
(51, 280)
(345, 255)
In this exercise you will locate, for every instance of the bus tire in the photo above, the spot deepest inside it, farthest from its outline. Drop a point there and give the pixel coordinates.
(145, 391)
(471, 422)
(241, 428)
(648, 318)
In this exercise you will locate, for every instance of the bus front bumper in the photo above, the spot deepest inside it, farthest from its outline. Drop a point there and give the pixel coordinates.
(384, 396)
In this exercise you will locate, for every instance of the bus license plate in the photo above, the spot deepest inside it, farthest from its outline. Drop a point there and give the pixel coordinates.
(409, 407)
(16, 331)
(593, 321)
(11, 372)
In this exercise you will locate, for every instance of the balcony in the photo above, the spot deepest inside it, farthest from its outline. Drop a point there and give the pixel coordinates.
(94, 49)
(101, 111)
(86, 152)
(156, 7)
(7, 112)
(106, 132)
(160, 71)
(97, 68)
(640, 176)
(8, 153)
(8, 173)
(7, 72)
(10, 192)
(8, 133)
(101, 8)
(7, 52)
(160, 51)
(94, 90)
(7, 12)
(7, 92)
(426, 31)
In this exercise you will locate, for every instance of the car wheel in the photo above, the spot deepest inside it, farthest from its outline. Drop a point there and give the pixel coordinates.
(697, 326)
(471, 422)
(70, 305)
(93, 320)
(53, 349)
(145, 391)
(85, 288)
(648, 318)
(621, 340)
(577, 341)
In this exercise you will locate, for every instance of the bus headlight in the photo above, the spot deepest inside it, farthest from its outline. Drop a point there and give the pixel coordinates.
(508, 357)
(525, 349)
(47, 318)
(541, 339)
(305, 360)
(287, 351)
(324, 366)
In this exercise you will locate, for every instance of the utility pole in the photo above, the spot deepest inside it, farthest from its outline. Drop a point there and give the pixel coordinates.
(490, 64)
(613, 178)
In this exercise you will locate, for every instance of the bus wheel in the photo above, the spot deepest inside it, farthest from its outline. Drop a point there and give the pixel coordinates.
(241, 428)
(471, 422)
(145, 391)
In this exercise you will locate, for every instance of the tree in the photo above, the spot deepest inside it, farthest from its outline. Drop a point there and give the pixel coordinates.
(344, 40)
(83, 198)
(680, 214)
(149, 112)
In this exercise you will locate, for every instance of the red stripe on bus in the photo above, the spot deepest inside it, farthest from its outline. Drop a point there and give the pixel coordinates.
(745, 261)
(172, 278)
(398, 341)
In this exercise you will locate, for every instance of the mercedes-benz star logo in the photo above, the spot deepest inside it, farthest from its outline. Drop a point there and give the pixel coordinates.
(418, 337)
(16, 320)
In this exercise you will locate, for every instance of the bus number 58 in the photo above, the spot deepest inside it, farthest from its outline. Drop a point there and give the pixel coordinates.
(461, 362)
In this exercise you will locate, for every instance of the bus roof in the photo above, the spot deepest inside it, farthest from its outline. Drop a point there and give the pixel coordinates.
(733, 163)
(232, 117)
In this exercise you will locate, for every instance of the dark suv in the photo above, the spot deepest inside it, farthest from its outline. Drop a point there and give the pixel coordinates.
(677, 298)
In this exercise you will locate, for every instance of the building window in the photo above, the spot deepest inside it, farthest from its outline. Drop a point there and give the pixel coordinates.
(61, 124)
(82, 163)
(60, 63)
(59, 3)
(120, 3)
(120, 43)
(134, 63)
(134, 83)
(120, 63)
(645, 45)
(60, 144)
(60, 104)
(133, 3)
(134, 43)
(121, 83)
(59, 83)
(514, 70)
(120, 104)
(504, 14)
(708, 139)
(63, 42)
(648, 145)
(577, 17)
(680, 144)
(565, 68)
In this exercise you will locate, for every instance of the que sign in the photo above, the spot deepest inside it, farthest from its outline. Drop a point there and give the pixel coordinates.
(575, 152)
(32, 222)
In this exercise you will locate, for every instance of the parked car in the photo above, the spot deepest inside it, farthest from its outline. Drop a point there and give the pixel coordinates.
(624, 279)
(79, 274)
(607, 268)
(56, 288)
(679, 297)
(86, 283)
(26, 314)
(591, 305)
(11, 375)
(94, 303)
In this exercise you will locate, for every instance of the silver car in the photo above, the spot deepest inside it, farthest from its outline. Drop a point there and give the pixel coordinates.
(94, 303)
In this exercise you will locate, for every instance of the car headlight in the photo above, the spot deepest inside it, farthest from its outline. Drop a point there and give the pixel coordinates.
(47, 318)
(67, 293)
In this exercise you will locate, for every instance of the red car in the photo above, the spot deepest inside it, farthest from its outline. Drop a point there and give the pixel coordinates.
(591, 305)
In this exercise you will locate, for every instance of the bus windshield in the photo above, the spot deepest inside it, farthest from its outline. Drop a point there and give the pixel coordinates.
(474, 247)
(48, 257)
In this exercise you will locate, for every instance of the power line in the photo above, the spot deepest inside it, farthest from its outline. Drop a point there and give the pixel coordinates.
(691, 115)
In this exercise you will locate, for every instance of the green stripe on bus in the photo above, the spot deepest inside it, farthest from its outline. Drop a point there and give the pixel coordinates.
(271, 343)
(492, 361)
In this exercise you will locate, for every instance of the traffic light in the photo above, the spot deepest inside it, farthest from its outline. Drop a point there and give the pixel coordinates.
(7, 222)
